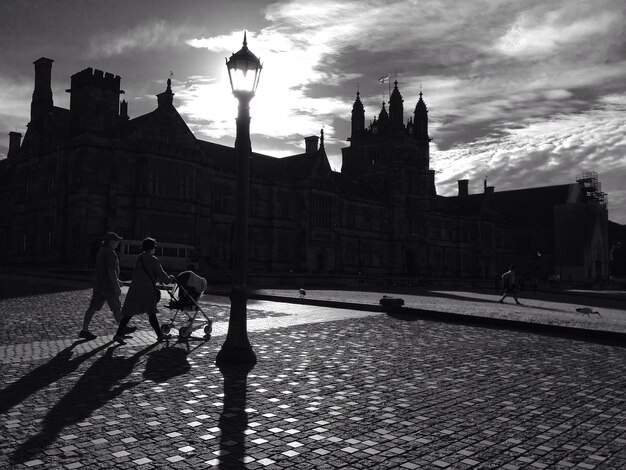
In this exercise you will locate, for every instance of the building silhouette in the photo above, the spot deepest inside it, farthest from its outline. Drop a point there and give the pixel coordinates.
(81, 172)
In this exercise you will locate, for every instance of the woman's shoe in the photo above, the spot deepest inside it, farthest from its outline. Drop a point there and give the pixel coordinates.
(86, 335)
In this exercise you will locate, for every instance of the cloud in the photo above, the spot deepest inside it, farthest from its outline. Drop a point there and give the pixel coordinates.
(14, 113)
(543, 153)
(145, 36)
(533, 35)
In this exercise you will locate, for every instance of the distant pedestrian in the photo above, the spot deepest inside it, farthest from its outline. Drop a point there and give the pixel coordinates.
(106, 283)
(143, 294)
(509, 281)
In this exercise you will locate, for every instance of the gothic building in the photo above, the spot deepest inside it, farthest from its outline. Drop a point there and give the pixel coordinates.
(83, 171)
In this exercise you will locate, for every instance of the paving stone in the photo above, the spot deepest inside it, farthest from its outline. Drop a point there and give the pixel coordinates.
(332, 388)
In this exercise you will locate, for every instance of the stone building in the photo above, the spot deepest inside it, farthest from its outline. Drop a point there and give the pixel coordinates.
(84, 171)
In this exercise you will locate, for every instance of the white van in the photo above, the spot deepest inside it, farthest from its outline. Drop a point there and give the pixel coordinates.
(173, 256)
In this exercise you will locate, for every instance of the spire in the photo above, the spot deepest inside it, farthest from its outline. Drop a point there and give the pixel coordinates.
(321, 139)
(358, 118)
(383, 116)
(396, 109)
(420, 121)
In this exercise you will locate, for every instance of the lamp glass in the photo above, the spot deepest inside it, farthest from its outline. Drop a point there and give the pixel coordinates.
(243, 79)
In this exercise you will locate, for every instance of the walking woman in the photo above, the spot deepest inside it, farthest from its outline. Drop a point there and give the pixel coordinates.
(143, 295)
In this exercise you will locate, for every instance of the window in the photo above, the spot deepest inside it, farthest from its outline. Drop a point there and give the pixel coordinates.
(169, 251)
(322, 212)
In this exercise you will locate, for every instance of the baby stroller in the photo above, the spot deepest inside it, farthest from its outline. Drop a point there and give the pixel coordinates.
(184, 300)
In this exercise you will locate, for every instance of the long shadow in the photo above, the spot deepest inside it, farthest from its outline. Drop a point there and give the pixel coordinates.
(40, 377)
(165, 364)
(528, 297)
(234, 418)
(526, 301)
(97, 386)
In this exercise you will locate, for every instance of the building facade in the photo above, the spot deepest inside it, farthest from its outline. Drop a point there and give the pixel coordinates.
(81, 172)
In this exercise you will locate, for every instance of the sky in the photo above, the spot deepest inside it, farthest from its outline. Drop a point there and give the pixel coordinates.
(523, 94)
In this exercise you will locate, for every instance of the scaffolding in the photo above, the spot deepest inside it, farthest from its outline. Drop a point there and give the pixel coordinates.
(592, 188)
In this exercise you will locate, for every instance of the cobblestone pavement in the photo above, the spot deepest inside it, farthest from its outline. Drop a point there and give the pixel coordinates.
(331, 389)
(546, 308)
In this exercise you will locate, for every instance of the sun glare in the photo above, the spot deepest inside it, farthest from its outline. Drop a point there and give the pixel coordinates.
(280, 108)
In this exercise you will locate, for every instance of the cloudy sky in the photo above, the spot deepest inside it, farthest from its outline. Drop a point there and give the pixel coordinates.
(523, 93)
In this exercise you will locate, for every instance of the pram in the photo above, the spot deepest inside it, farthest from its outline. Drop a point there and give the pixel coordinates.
(184, 300)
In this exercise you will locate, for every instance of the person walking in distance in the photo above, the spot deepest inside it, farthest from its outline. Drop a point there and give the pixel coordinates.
(509, 281)
(143, 295)
(106, 284)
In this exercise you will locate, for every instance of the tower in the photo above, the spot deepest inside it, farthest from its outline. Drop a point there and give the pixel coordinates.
(94, 101)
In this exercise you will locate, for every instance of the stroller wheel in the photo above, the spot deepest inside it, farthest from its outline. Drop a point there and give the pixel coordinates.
(165, 328)
(184, 332)
(208, 329)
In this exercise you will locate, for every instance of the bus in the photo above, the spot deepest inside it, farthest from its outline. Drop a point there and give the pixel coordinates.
(173, 256)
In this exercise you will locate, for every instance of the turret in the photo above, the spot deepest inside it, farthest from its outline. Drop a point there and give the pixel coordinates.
(396, 108)
(124, 110)
(41, 104)
(94, 101)
(358, 119)
(166, 99)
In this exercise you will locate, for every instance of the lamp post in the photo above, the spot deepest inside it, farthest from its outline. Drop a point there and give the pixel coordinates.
(244, 69)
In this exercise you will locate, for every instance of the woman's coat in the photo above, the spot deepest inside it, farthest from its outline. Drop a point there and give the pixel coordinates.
(141, 297)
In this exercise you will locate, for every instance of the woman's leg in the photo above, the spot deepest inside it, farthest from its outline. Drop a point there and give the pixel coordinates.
(154, 323)
(122, 326)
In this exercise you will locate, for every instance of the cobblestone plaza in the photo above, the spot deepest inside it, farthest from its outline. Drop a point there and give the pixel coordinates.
(333, 388)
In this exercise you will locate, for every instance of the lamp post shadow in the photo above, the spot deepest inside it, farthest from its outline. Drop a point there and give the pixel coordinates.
(234, 418)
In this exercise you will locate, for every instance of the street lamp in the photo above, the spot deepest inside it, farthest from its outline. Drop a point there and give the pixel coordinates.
(244, 69)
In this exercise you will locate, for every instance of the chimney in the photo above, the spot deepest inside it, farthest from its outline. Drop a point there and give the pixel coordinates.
(489, 190)
(463, 187)
(311, 143)
(42, 95)
(15, 140)
(124, 110)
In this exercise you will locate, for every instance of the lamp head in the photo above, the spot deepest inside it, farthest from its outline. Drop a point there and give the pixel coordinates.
(244, 69)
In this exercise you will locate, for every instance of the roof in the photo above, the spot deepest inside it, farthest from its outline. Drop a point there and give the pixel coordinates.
(519, 207)
(300, 166)
(531, 206)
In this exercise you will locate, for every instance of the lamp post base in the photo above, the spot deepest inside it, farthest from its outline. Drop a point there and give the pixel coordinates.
(235, 355)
